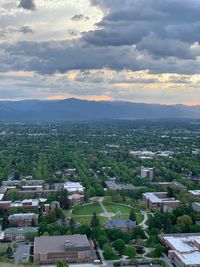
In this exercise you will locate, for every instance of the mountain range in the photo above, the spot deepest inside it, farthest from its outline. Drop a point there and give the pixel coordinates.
(79, 110)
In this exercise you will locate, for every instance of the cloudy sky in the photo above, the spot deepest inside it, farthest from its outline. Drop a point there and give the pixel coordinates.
(132, 50)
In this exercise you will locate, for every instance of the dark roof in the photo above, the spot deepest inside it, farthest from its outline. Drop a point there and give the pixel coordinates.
(120, 224)
(45, 244)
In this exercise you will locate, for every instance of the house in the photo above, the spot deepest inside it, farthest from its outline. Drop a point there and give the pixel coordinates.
(158, 200)
(148, 173)
(68, 248)
(18, 233)
(184, 249)
(73, 187)
(23, 220)
(123, 225)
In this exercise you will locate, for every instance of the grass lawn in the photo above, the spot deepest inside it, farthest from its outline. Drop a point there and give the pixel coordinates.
(139, 217)
(115, 207)
(83, 214)
(87, 219)
(87, 209)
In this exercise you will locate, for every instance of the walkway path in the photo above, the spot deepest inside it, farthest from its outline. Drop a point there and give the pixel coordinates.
(143, 223)
(105, 213)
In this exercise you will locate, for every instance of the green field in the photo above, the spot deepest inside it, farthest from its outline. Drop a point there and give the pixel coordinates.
(115, 207)
(86, 210)
(83, 214)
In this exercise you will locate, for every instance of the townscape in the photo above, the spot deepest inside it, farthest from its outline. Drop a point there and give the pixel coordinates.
(108, 193)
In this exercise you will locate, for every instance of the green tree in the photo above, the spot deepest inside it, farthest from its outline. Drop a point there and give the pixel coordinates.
(102, 240)
(159, 250)
(132, 215)
(130, 251)
(108, 252)
(139, 232)
(95, 221)
(119, 246)
(61, 264)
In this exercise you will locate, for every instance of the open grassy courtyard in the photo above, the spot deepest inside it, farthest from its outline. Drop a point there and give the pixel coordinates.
(83, 214)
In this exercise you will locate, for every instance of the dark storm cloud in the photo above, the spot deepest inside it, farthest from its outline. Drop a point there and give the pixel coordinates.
(79, 17)
(162, 28)
(61, 56)
(152, 35)
(26, 29)
(27, 4)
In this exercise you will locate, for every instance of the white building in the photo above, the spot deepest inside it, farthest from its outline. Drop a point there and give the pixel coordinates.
(184, 249)
(73, 187)
(194, 193)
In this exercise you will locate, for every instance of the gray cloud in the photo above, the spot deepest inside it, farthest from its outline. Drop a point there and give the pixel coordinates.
(27, 4)
(73, 32)
(162, 28)
(79, 17)
(61, 56)
(26, 29)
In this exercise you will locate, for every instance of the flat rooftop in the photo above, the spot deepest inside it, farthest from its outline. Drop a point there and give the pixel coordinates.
(46, 244)
(192, 258)
(194, 192)
(155, 199)
(185, 246)
(182, 244)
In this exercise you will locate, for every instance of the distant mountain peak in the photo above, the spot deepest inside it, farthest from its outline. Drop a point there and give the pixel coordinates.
(73, 109)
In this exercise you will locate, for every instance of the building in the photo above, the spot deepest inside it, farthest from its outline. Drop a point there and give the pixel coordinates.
(113, 185)
(23, 220)
(165, 185)
(70, 172)
(68, 248)
(195, 193)
(19, 234)
(184, 249)
(148, 173)
(196, 206)
(73, 187)
(26, 204)
(123, 225)
(158, 200)
(76, 199)
(48, 208)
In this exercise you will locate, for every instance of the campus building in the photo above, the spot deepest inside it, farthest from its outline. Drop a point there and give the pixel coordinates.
(23, 220)
(73, 187)
(123, 225)
(148, 173)
(158, 200)
(68, 248)
(184, 249)
(26, 204)
(19, 233)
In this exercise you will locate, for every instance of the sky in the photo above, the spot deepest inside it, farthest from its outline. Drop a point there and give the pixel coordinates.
(144, 51)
